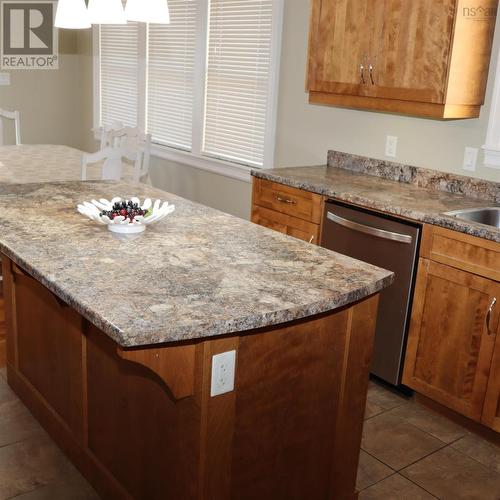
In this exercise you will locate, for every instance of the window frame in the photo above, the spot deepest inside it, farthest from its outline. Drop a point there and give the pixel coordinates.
(491, 147)
(195, 158)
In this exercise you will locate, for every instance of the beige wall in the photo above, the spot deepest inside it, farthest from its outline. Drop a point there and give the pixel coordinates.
(57, 107)
(49, 100)
(305, 132)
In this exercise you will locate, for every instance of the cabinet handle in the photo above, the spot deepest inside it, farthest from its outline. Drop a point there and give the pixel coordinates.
(488, 315)
(284, 200)
(371, 75)
(362, 73)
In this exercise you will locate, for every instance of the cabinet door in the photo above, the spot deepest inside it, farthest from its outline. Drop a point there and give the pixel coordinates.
(286, 224)
(410, 59)
(491, 410)
(50, 348)
(450, 349)
(339, 43)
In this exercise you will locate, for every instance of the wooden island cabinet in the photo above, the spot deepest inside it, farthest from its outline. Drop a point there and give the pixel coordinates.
(141, 423)
(422, 57)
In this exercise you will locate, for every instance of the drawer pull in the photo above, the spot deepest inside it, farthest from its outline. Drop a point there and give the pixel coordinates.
(371, 75)
(284, 200)
(488, 315)
(362, 73)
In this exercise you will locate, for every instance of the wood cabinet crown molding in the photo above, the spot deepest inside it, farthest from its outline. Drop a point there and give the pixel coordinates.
(425, 58)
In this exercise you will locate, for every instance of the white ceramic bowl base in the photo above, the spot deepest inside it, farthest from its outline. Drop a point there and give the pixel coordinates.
(127, 229)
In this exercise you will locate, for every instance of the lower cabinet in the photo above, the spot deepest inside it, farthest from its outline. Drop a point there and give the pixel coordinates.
(453, 340)
(286, 209)
(453, 351)
(286, 224)
(491, 410)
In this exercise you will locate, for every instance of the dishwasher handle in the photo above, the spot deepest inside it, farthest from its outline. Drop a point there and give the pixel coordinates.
(373, 231)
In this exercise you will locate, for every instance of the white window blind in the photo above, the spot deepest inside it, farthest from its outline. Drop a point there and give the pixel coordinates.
(119, 73)
(171, 57)
(204, 85)
(237, 87)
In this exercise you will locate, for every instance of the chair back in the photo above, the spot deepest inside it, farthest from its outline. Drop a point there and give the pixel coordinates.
(15, 117)
(131, 139)
(112, 162)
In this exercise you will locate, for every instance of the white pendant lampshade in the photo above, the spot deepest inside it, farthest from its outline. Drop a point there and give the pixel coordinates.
(72, 14)
(106, 12)
(148, 11)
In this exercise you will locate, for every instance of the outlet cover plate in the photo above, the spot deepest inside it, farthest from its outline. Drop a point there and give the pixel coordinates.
(4, 79)
(470, 159)
(223, 373)
(391, 146)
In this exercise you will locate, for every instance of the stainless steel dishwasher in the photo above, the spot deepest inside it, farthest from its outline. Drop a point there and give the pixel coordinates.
(388, 243)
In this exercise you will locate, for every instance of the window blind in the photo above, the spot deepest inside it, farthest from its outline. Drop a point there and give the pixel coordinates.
(119, 58)
(238, 72)
(171, 57)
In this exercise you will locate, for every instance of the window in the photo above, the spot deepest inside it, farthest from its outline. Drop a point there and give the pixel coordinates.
(204, 86)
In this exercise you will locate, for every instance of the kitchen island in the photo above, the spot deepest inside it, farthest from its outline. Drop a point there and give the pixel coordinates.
(110, 342)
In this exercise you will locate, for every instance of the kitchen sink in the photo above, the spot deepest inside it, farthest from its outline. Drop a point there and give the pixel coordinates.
(489, 216)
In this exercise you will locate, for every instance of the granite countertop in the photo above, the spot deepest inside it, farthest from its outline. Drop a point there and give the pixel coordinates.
(197, 273)
(424, 204)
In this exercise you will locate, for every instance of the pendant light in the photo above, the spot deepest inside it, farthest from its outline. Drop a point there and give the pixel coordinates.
(106, 12)
(72, 14)
(148, 11)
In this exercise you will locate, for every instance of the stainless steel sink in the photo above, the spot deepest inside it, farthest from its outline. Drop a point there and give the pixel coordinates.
(489, 216)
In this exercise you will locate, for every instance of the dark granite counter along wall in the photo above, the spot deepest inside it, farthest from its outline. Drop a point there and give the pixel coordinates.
(410, 192)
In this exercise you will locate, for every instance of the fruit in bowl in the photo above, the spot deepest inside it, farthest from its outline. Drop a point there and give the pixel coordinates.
(126, 216)
(126, 208)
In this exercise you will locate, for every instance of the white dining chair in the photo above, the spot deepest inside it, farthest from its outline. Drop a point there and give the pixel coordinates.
(16, 118)
(133, 140)
(112, 162)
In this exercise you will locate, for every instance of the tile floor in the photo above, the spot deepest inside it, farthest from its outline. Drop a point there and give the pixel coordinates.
(408, 453)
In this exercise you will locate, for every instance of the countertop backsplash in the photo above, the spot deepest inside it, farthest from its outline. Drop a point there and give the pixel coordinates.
(422, 177)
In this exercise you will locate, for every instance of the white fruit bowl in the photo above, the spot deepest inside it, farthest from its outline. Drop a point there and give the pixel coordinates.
(120, 224)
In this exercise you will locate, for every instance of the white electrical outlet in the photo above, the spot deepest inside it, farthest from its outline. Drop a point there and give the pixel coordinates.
(470, 159)
(391, 146)
(4, 79)
(223, 373)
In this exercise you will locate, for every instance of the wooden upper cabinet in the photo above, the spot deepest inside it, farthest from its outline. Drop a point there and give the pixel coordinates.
(411, 59)
(420, 57)
(341, 45)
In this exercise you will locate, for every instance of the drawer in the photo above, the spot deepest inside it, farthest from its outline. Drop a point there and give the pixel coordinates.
(462, 251)
(286, 224)
(287, 200)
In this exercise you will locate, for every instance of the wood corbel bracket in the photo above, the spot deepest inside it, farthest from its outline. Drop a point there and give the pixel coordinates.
(175, 365)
